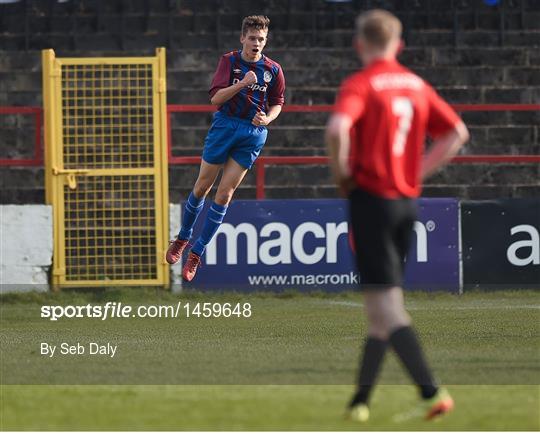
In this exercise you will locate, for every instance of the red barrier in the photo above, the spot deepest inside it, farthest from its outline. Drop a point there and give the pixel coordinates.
(262, 162)
(37, 160)
(187, 108)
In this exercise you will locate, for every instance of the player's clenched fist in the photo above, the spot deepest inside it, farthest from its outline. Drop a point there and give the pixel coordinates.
(250, 78)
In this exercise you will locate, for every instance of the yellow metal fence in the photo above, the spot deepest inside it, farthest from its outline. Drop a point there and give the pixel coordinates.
(106, 169)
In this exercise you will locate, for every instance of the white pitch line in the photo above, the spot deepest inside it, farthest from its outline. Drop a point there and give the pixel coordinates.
(344, 303)
(484, 307)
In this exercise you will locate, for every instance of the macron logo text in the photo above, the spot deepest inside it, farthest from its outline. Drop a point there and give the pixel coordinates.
(277, 243)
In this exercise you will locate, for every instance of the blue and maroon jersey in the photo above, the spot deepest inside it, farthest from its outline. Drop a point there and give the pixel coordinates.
(268, 91)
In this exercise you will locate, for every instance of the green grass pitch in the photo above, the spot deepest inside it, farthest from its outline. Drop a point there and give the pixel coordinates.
(288, 367)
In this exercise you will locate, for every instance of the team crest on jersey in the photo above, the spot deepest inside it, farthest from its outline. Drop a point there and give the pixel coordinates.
(267, 76)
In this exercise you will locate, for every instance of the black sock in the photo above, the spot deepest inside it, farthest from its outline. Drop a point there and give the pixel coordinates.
(408, 349)
(372, 358)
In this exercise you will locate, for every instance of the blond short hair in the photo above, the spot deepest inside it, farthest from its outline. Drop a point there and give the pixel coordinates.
(255, 22)
(378, 27)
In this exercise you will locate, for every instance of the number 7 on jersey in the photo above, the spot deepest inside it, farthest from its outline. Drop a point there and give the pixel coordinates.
(402, 108)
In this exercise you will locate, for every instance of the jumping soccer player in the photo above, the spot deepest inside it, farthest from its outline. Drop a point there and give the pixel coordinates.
(249, 89)
(375, 139)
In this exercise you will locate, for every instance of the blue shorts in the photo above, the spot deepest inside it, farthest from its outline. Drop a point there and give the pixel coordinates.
(233, 137)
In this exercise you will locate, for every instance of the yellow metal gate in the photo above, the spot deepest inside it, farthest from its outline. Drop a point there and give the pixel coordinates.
(106, 169)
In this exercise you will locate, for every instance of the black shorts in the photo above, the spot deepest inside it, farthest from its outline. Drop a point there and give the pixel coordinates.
(382, 230)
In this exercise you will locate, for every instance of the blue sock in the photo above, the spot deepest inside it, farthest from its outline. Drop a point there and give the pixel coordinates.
(192, 210)
(214, 218)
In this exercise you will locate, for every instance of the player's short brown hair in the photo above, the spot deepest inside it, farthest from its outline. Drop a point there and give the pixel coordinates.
(377, 27)
(255, 22)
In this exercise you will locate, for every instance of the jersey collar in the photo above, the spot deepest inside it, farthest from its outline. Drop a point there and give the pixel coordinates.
(382, 61)
(251, 63)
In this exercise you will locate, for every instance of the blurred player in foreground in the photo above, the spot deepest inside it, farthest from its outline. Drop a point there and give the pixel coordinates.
(249, 89)
(375, 139)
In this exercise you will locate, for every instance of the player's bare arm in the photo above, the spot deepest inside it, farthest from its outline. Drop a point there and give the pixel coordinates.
(338, 144)
(225, 94)
(443, 149)
(263, 119)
